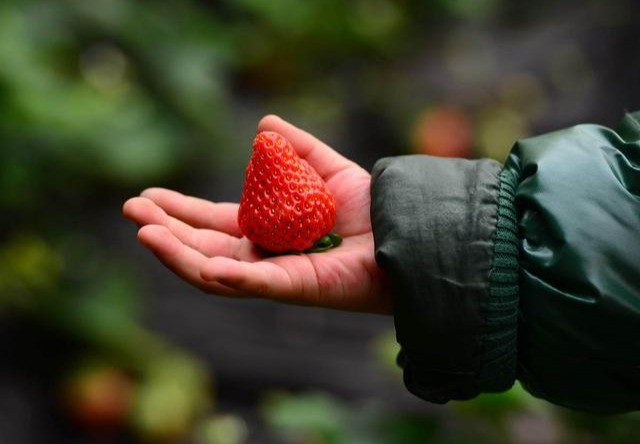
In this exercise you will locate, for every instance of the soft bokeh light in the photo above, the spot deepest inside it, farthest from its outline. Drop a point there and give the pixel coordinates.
(100, 99)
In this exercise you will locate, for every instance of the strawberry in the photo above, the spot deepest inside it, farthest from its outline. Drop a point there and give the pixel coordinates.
(285, 205)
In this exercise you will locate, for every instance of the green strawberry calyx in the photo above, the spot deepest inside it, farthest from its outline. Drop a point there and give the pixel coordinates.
(325, 243)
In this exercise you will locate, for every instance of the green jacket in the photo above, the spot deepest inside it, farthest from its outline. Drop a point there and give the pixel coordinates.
(527, 271)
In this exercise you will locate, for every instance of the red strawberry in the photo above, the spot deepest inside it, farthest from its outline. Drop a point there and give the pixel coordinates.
(285, 205)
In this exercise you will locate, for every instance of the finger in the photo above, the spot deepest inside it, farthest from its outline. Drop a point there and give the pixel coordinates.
(326, 161)
(260, 279)
(199, 213)
(135, 212)
(208, 242)
(143, 211)
(179, 258)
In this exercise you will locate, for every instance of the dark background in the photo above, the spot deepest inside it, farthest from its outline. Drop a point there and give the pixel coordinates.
(101, 99)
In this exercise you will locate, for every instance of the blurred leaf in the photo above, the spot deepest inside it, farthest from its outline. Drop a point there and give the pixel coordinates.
(316, 416)
(411, 428)
(290, 15)
(320, 418)
(174, 394)
(499, 127)
(117, 291)
(471, 9)
(385, 350)
(222, 429)
(499, 407)
(29, 270)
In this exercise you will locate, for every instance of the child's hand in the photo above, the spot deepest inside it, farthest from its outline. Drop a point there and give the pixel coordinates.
(202, 243)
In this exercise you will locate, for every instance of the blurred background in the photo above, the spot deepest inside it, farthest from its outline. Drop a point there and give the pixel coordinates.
(100, 99)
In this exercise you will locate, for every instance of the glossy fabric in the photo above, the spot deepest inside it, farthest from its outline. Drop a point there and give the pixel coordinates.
(577, 209)
(578, 202)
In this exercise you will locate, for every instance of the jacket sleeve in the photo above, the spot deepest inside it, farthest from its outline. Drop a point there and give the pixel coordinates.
(529, 270)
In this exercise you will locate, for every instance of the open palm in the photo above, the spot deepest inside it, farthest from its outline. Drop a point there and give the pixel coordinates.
(202, 243)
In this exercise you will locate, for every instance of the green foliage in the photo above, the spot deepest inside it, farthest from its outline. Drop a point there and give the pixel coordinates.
(101, 98)
(385, 350)
(320, 418)
(497, 407)
(73, 82)
(222, 429)
(314, 417)
(171, 398)
(28, 265)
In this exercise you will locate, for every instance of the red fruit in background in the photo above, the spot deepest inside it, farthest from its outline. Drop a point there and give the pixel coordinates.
(98, 399)
(285, 205)
(444, 132)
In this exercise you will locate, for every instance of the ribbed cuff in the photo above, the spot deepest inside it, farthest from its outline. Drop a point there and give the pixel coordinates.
(498, 355)
(444, 230)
